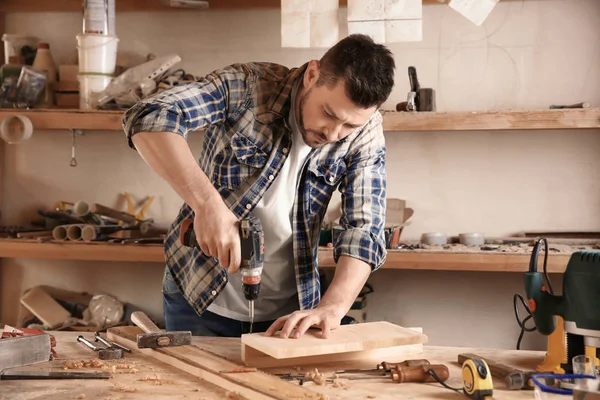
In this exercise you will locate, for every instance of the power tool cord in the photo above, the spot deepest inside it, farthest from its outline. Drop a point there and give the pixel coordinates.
(517, 297)
(444, 384)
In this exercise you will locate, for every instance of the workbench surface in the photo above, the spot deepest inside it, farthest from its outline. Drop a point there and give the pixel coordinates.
(142, 377)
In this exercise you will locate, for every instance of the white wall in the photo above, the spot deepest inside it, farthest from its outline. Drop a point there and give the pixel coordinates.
(527, 55)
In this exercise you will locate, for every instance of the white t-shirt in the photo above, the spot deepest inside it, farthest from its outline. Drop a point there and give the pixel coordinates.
(278, 293)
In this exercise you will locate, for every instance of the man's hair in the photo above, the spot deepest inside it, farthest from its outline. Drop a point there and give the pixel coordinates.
(367, 70)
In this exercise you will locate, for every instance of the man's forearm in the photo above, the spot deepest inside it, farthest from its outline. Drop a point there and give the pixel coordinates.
(169, 155)
(349, 278)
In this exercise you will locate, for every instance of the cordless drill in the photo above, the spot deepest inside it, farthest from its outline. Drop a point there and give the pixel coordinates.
(252, 240)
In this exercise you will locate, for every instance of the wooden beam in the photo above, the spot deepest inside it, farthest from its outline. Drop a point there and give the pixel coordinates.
(11, 6)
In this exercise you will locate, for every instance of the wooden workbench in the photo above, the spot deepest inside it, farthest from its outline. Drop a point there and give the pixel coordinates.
(150, 378)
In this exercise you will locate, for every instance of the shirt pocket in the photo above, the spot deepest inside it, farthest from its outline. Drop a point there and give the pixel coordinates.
(240, 159)
(323, 180)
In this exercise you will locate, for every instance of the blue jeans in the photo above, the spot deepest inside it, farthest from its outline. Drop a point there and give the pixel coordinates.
(180, 316)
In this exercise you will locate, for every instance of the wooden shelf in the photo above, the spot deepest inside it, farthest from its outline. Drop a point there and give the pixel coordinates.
(589, 118)
(575, 118)
(446, 261)
(396, 259)
(21, 248)
(64, 119)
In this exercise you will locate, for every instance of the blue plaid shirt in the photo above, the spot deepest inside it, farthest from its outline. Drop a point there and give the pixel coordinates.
(243, 109)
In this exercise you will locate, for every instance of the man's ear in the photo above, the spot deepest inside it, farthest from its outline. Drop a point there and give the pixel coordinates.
(311, 76)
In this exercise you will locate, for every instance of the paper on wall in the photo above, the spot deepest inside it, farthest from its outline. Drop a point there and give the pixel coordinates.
(312, 23)
(386, 21)
(474, 10)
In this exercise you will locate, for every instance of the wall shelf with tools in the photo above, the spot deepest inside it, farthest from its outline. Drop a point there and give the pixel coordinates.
(396, 259)
(573, 118)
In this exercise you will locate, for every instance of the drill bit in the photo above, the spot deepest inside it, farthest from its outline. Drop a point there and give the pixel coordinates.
(251, 313)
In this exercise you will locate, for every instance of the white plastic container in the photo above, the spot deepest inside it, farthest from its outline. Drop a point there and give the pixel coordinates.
(13, 44)
(89, 86)
(97, 53)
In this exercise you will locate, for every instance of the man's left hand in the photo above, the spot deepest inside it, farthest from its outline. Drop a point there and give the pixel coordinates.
(296, 324)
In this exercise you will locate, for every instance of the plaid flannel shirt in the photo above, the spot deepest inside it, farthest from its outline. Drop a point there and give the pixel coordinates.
(243, 109)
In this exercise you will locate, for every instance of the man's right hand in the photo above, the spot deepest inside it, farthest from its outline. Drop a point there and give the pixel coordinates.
(217, 232)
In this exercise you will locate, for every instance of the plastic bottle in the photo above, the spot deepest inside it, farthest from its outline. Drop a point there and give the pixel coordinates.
(45, 62)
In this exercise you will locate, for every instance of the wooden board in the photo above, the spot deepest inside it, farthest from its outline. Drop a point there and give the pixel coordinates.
(344, 339)
(255, 385)
(254, 358)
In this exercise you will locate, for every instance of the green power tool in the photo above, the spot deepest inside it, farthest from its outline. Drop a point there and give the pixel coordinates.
(579, 305)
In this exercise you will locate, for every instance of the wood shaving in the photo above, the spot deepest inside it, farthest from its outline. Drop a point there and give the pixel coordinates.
(119, 387)
(80, 396)
(234, 396)
(338, 384)
(323, 396)
(78, 364)
(371, 397)
(156, 380)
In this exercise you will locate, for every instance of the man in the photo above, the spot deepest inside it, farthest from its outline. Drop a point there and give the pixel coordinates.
(277, 143)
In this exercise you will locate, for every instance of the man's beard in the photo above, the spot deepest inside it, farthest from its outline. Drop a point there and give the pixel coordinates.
(320, 135)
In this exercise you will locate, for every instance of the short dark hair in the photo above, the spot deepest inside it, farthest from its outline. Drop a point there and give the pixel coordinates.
(366, 67)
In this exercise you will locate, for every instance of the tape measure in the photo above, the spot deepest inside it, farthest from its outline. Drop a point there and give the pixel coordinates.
(477, 379)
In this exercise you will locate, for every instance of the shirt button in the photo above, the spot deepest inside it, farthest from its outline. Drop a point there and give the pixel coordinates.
(285, 150)
(331, 179)
(224, 279)
(271, 177)
(248, 206)
(214, 292)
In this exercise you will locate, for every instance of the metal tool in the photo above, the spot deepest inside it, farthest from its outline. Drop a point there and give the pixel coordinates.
(156, 338)
(515, 379)
(385, 366)
(108, 353)
(25, 350)
(477, 379)
(413, 373)
(29, 375)
(252, 249)
(99, 338)
(579, 305)
(418, 99)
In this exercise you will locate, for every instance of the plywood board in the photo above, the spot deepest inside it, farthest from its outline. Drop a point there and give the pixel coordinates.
(346, 338)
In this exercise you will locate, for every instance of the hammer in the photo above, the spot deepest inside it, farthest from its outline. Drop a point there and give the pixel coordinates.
(156, 338)
(108, 353)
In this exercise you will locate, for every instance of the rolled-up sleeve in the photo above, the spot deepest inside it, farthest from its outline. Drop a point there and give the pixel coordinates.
(190, 106)
(363, 195)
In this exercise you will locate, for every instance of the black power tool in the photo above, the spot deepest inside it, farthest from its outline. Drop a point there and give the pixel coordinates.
(252, 240)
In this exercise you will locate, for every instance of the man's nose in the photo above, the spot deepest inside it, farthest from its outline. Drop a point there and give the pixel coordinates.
(333, 132)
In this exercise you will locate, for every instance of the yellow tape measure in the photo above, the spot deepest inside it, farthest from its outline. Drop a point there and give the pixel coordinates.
(477, 379)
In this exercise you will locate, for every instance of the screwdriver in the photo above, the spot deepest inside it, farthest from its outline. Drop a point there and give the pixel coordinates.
(386, 366)
(415, 373)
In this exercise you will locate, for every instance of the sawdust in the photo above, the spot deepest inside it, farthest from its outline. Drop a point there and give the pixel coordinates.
(234, 396)
(119, 387)
(115, 367)
(156, 380)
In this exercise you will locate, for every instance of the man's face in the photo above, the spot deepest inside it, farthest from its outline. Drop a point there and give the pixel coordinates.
(327, 115)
